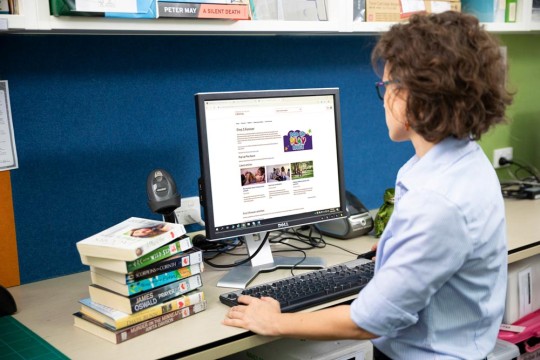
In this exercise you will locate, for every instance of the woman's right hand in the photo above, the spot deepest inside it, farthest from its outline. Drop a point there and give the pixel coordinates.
(374, 248)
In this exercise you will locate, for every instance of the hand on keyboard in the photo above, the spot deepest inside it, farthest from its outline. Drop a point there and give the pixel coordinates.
(303, 291)
(258, 315)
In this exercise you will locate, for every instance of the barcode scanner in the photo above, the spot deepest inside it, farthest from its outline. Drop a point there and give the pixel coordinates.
(163, 198)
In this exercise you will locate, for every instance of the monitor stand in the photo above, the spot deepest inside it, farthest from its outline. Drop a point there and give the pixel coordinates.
(240, 276)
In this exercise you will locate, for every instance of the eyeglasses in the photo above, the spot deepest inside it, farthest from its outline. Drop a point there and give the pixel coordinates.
(380, 86)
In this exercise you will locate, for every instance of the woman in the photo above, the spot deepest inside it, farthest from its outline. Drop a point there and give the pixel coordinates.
(440, 280)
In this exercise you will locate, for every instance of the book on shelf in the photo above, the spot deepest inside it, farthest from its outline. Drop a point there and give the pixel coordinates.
(147, 284)
(130, 239)
(138, 302)
(115, 319)
(13, 7)
(140, 9)
(210, 1)
(202, 10)
(180, 250)
(4, 7)
(86, 323)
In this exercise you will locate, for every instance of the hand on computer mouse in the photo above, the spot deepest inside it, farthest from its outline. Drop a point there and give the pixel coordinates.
(370, 255)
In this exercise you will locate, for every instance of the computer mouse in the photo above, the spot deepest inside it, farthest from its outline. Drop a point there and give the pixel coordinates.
(368, 255)
(7, 303)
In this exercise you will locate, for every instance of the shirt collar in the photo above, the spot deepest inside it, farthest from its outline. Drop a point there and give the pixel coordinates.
(418, 171)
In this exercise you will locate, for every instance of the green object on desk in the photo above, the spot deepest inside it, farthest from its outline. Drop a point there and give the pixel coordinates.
(19, 342)
(385, 211)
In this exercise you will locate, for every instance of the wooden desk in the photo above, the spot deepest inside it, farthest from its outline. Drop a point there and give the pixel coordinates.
(46, 307)
(523, 227)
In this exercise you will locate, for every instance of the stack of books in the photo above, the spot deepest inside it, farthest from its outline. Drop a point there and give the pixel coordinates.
(145, 274)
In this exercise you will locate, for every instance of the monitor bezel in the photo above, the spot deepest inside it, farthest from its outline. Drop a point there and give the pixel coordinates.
(205, 180)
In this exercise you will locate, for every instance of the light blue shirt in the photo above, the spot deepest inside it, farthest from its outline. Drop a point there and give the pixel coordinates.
(440, 283)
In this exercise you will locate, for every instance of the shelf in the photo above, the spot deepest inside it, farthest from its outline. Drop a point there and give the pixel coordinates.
(15, 22)
(26, 17)
(185, 26)
(503, 28)
(34, 17)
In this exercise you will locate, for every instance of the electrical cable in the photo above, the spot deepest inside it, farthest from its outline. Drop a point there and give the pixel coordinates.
(519, 188)
(226, 266)
(503, 161)
(278, 237)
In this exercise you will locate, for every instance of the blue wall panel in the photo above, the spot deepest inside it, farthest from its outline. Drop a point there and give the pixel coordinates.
(93, 115)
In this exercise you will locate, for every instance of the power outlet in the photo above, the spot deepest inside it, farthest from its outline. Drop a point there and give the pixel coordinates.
(506, 153)
(189, 211)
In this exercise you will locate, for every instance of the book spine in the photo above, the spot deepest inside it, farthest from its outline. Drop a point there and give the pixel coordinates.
(164, 293)
(4, 7)
(176, 304)
(162, 279)
(57, 8)
(164, 266)
(180, 245)
(202, 10)
(142, 328)
(160, 321)
(115, 319)
(207, 1)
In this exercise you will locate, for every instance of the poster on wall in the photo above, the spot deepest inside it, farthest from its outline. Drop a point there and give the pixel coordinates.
(8, 152)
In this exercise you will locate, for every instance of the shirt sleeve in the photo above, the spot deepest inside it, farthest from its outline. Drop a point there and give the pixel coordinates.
(425, 244)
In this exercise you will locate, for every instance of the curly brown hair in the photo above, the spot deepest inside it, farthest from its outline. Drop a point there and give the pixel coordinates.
(454, 73)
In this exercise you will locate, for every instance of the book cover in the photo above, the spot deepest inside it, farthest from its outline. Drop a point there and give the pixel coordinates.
(4, 7)
(178, 246)
(68, 8)
(130, 239)
(190, 257)
(116, 320)
(145, 9)
(117, 336)
(203, 10)
(13, 7)
(139, 302)
(148, 283)
(210, 1)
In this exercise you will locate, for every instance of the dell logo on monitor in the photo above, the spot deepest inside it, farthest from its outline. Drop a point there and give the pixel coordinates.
(283, 224)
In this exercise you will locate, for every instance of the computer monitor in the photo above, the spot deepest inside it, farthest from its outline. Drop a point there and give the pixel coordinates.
(269, 160)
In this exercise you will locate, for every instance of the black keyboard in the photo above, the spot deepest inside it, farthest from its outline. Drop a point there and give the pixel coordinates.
(306, 290)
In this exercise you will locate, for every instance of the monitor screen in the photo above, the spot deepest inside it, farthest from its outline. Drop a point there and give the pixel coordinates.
(269, 160)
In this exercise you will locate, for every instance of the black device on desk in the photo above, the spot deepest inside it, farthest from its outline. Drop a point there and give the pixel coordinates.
(269, 160)
(357, 223)
(7, 303)
(163, 197)
(303, 291)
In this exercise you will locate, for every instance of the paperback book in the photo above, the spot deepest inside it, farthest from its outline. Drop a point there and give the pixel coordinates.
(118, 336)
(210, 1)
(178, 246)
(145, 284)
(201, 10)
(130, 239)
(139, 302)
(115, 319)
(190, 257)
